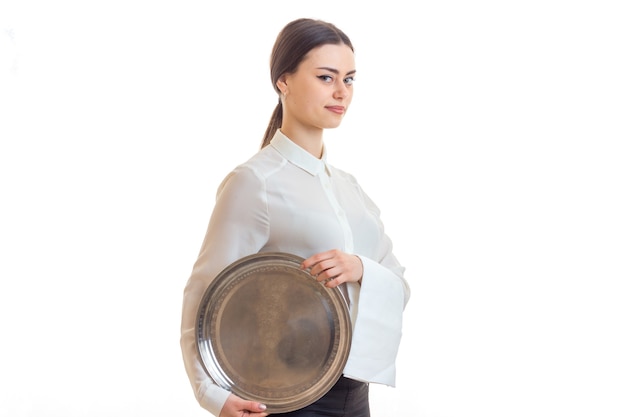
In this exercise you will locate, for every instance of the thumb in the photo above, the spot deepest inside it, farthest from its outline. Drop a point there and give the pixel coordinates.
(255, 406)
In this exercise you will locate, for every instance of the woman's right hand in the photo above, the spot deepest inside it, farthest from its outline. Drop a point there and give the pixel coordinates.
(238, 407)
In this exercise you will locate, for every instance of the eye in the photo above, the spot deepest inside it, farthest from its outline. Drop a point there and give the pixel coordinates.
(349, 80)
(325, 78)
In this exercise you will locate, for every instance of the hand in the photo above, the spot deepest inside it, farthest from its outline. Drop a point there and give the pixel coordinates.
(238, 407)
(334, 267)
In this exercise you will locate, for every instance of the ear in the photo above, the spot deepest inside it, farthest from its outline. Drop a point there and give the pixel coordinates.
(282, 84)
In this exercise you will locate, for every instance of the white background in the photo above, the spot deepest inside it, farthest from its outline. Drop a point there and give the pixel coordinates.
(490, 133)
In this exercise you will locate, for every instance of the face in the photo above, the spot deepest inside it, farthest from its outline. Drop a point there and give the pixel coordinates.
(319, 93)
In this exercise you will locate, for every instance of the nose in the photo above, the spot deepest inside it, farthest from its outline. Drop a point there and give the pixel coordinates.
(341, 91)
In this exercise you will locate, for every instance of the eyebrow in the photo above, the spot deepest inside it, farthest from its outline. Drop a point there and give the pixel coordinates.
(334, 71)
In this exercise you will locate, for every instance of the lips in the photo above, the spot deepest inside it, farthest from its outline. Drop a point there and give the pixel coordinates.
(337, 109)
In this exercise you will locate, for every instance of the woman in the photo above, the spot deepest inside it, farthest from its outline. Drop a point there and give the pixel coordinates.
(287, 198)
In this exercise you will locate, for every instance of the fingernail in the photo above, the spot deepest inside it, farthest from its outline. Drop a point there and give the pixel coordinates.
(262, 406)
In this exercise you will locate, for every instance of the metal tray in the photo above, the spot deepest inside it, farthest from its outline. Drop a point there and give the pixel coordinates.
(269, 332)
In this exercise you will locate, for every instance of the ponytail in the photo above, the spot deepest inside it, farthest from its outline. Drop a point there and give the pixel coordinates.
(275, 123)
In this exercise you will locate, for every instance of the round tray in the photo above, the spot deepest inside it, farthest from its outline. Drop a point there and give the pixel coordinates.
(269, 332)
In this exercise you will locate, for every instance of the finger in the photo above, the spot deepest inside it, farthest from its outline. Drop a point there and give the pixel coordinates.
(325, 271)
(332, 282)
(317, 270)
(254, 407)
(317, 258)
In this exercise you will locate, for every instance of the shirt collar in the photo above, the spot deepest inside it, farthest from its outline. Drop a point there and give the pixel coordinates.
(297, 155)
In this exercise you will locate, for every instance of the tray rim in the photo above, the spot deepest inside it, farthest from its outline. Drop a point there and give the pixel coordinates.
(287, 403)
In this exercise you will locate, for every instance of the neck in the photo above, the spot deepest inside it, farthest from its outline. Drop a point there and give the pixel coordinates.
(311, 140)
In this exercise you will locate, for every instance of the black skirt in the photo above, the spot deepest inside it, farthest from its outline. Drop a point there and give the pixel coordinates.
(347, 398)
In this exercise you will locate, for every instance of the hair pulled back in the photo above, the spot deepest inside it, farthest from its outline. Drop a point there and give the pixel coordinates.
(292, 45)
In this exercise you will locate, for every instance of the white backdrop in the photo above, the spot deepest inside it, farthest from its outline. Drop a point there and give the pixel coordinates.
(490, 134)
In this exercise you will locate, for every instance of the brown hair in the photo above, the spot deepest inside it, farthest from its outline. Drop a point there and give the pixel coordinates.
(292, 45)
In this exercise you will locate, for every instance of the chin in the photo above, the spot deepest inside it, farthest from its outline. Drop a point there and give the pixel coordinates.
(333, 125)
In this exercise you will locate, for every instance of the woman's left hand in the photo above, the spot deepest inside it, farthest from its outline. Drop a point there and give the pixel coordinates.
(334, 267)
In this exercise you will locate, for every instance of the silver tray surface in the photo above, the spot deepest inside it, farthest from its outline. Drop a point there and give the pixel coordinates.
(269, 332)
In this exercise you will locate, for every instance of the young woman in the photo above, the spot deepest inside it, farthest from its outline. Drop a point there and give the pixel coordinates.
(288, 198)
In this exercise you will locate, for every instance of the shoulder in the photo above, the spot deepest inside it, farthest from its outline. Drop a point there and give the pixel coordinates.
(256, 169)
(265, 162)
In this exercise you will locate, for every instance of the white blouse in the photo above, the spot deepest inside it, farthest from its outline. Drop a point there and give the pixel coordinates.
(283, 199)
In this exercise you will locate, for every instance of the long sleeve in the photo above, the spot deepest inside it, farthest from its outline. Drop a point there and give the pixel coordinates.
(238, 227)
(377, 305)
(377, 331)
